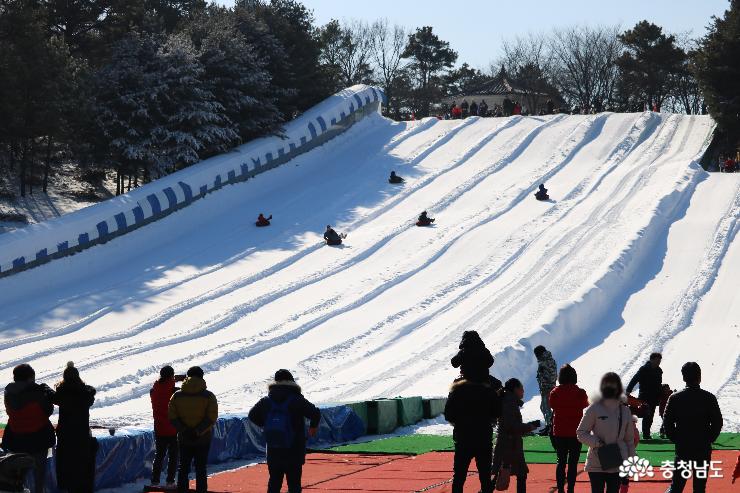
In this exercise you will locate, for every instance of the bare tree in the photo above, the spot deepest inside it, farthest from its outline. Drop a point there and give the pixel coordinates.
(584, 65)
(529, 63)
(388, 44)
(347, 50)
(686, 96)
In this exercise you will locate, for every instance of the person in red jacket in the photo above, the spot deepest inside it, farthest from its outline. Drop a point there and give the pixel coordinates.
(567, 402)
(28, 405)
(456, 112)
(517, 108)
(165, 434)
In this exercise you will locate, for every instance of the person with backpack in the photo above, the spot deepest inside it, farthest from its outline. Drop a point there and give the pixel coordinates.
(282, 415)
(650, 379)
(693, 421)
(546, 379)
(606, 428)
(509, 450)
(472, 407)
(28, 406)
(567, 402)
(165, 434)
(193, 411)
(76, 448)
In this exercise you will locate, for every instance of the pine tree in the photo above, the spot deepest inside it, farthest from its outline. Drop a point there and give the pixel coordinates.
(429, 57)
(718, 71)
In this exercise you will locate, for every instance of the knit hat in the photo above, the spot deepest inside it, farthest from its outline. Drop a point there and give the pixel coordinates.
(284, 376)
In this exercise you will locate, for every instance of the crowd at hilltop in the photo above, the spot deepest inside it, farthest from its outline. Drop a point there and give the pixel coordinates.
(477, 405)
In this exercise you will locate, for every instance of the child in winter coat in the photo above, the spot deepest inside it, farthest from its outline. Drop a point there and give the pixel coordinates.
(474, 359)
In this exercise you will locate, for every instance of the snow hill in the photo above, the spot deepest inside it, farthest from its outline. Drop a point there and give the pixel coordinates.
(634, 253)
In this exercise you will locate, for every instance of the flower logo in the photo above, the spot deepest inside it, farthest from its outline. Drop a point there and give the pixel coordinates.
(636, 468)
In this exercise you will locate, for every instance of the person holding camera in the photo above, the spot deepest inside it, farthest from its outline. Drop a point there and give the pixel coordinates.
(165, 434)
(509, 449)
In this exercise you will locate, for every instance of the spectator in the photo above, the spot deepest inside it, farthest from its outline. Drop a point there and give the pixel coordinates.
(546, 378)
(165, 435)
(473, 109)
(567, 401)
(464, 108)
(483, 108)
(693, 421)
(517, 109)
(281, 414)
(456, 113)
(507, 107)
(650, 379)
(472, 407)
(474, 359)
(28, 406)
(76, 448)
(606, 428)
(193, 411)
(509, 448)
(550, 107)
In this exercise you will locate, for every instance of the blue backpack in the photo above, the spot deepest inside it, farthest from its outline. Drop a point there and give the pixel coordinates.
(278, 428)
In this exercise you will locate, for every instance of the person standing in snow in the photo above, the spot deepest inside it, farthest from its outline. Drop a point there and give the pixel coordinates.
(509, 449)
(650, 379)
(76, 448)
(567, 402)
(546, 378)
(395, 179)
(483, 108)
(472, 408)
(464, 108)
(473, 109)
(282, 416)
(165, 435)
(28, 406)
(692, 421)
(193, 411)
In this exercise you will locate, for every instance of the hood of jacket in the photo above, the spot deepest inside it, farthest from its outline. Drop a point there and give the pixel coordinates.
(193, 385)
(280, 390)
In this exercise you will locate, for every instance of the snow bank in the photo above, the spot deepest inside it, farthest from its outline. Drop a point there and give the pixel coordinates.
(60, 237)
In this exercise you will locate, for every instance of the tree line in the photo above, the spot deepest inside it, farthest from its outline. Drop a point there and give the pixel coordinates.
(137, 89)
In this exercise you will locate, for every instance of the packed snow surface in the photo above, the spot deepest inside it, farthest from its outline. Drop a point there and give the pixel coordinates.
(635, 252)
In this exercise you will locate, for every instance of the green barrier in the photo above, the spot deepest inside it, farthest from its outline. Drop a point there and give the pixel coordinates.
(434, 407)
(382, 416)
(410, 410)
(360, 408)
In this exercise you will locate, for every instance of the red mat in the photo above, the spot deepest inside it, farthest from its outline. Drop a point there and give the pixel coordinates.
(423, 473)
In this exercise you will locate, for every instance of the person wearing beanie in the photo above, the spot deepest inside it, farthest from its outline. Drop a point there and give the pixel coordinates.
(28, 406)
(76, 448)
(281, 415)
(193, 411)
(165, 434)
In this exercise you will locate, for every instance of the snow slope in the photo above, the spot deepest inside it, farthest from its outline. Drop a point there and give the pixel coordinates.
(634, 253)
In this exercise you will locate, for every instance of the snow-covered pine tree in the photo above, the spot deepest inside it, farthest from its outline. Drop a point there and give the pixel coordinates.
(190, 123)
(238, 78)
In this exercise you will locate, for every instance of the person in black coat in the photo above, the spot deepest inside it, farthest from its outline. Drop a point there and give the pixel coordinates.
(650, 379)
(287, 462)
(28, 406)
(541, 193)
(693, 421)
(474, 359)
(332, 237)
(394, 178)
(472, 407)
(76, 448)
(424, 219)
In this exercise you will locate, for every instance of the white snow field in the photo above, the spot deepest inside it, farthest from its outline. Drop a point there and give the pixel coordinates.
(635, 252)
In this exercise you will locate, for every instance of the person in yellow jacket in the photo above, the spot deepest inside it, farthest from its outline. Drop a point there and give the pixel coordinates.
(193, 411)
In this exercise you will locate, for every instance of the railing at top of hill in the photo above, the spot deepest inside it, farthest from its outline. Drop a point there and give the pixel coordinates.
(40, 243)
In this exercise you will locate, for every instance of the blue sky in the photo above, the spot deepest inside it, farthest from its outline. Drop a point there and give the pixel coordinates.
(475, 28)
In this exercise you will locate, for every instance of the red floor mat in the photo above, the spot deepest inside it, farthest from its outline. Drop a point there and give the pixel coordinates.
(423, 473)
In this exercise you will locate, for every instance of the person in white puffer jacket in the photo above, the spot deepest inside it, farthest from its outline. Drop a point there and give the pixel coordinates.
(600, 426)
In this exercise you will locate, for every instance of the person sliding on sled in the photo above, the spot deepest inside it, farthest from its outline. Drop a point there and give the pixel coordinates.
(395, 179)
(424, 220)
(263, 221)
(332, 237)
(542, 193)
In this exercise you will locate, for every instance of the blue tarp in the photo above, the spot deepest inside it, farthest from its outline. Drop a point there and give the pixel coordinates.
(127, 457)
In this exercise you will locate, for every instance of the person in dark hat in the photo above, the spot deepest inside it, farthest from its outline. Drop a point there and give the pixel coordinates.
(282, 415)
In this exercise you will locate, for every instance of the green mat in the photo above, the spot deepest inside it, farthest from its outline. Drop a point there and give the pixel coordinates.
(537, 449)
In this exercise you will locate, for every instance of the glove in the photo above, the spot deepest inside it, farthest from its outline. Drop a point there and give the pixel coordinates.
(312, 432)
